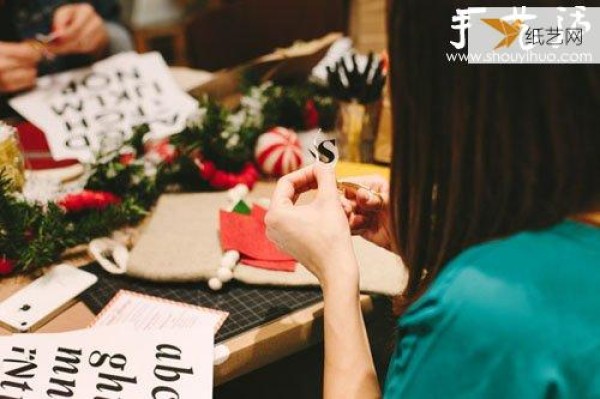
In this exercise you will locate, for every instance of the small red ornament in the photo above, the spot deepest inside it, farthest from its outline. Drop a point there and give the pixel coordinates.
(161, 149)
(223, 180)
(278, 152)
(127, 158)
(88, 199)
(6, 266)
(311, 115)
(127, 155)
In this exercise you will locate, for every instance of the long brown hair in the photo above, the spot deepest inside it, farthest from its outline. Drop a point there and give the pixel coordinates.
(482, 151)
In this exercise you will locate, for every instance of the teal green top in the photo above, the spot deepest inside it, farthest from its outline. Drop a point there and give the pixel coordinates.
(511, 318)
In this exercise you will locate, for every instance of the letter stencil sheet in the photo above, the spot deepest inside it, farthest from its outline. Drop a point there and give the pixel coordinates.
(115, 361)
(85, 110)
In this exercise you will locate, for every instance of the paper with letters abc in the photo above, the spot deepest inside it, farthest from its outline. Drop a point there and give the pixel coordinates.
(108, 362)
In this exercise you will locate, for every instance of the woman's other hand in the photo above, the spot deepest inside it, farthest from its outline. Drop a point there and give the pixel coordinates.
(18, 66)
(368, 213)
(81, 31)
(317, 234)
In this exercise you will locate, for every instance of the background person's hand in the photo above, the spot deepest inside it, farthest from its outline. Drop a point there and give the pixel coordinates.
(369, 214)
(317, 234)
(81, 31)
(18, 66)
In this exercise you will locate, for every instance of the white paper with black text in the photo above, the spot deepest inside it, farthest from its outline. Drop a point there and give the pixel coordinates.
(108, 362)
(82, 110)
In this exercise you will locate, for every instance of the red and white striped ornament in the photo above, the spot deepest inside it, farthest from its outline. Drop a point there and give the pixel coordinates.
(278, 152)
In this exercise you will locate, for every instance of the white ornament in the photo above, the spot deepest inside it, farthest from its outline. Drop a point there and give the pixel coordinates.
(224, 274)
(215, 284)
(278, 152)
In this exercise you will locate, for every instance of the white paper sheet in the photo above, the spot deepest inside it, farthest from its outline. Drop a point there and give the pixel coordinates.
(82, 110)
(108, 362)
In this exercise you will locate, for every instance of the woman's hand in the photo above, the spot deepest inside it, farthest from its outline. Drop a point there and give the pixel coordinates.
(369, 214)
(18, 66)
(316, 234)
(81, 30)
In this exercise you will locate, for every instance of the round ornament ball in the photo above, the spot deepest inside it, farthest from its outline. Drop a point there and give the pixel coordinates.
(278, 152)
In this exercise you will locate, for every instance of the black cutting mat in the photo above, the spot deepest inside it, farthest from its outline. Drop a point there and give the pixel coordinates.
(248, 306)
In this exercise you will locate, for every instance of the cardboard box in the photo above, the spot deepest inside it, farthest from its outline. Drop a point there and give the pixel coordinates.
(294, 63)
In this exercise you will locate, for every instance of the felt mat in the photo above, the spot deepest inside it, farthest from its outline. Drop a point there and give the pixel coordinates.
(181, 244)
(248, 306)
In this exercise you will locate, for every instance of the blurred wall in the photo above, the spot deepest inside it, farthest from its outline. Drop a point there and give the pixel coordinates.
(367, 25)
(226, 33)
(368, 30)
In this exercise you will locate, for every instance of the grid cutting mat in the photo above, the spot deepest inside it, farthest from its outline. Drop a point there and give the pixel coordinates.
(248, 306)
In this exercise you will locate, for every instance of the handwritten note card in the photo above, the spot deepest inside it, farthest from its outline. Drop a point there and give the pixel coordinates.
(84, 110)
(146, 312)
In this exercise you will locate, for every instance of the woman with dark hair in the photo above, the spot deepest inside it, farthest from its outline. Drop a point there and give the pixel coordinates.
(494, 207)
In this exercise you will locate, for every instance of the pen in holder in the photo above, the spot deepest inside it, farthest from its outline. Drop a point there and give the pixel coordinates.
(359, 92)
(11, 157)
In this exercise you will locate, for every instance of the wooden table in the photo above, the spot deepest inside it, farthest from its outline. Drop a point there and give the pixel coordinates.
(249, 351)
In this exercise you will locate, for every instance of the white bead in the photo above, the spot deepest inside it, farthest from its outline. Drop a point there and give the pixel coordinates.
(227, 263)
(224, 274)
(230, 259)
(215, 284)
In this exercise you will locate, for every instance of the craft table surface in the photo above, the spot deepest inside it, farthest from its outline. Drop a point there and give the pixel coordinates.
(250, 350)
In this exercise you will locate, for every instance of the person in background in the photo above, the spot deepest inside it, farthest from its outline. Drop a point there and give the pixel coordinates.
(494, 207)
(84, 31)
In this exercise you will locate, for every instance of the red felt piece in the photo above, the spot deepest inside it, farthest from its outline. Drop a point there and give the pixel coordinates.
(247, 235)
(258, 213)
(35, 149)
(278, 265)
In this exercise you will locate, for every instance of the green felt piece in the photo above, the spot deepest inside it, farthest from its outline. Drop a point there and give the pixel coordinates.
(242, 207)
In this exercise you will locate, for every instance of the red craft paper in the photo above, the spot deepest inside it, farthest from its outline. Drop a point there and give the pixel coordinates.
(247, 235)
(35, 149)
